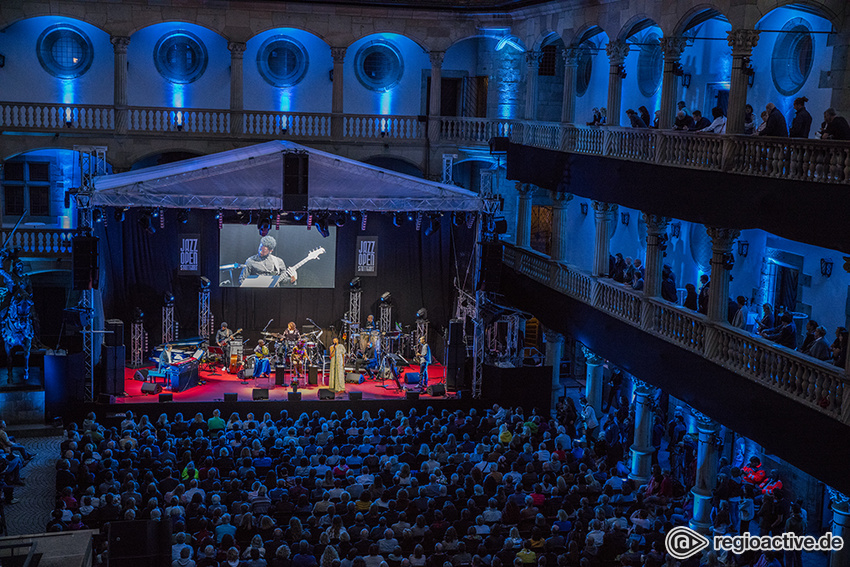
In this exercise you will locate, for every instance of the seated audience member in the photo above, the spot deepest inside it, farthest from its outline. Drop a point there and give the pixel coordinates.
(785, 333)
(683, 121)
(818, 347)
(700, 122)
(718, 126)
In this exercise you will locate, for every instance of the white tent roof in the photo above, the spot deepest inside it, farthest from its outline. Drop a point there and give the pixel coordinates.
(252, 178)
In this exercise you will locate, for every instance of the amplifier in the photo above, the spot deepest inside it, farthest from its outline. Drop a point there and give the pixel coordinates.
(183, 376)
(326, 394)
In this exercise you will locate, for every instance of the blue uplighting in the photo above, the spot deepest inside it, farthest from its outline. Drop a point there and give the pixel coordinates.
(284, 99)
(385, 101)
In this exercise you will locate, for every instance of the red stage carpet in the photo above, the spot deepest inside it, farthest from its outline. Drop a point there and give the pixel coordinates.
(216, 386)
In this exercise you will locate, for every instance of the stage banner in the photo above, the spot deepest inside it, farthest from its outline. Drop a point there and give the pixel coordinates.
(190, 255)
(367, 256)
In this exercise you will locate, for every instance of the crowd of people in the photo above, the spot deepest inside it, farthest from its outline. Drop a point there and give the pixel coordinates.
(773, 122)
(442, 489)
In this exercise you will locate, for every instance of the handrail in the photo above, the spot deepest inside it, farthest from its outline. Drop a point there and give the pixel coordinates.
(818, 385)
(40, 241)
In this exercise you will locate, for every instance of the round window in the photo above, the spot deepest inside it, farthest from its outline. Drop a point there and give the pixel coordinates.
(378, 66)
(180, 57)
(64, 51)
(650, 65)
(282, 61)
(584, 70)
(793, 56)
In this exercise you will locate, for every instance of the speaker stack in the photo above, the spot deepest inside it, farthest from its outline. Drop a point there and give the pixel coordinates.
(455, 356)
(84, 264)
(295, 181)
(113, 367)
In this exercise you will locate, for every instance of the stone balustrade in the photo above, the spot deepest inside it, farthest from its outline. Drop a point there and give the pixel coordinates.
(821, 161)
(40, 242)
(812, 382)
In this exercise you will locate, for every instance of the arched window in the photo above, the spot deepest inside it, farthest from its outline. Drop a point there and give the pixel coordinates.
(650, 65)
(180, 57)
(282, 61)
(378, 66)
(793, 57)
(64, 51)
(584, 69)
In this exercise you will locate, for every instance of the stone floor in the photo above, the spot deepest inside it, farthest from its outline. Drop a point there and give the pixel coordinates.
(37, 497)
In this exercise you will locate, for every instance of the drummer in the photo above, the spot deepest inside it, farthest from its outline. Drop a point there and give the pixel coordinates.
(370, 324)
(291, 333)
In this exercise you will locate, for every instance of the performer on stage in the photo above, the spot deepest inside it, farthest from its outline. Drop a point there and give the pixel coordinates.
(222, 339)
(165, 359)
(371, 357)
(264, 263)
(370, 324)
(291, 333)
(424, 354)
(262, 368)
(299, 355)
(337, 379)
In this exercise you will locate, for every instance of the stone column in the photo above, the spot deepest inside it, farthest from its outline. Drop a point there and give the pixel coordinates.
(593, 380)
(338, 54)
(560, 200)
(532, 60)
(119, 99)
(656, 229)
(436, 95)
(742, 43)
(617, 52)
(642, 448)
(554, 354)
(718, 294)
(568, 107)
(840, 527)
(603, 213)
(523, 218)
(672, 48)
(237, 89)
(706, 478)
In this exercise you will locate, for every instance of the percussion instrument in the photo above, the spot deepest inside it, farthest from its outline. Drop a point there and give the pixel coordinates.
(235, 356)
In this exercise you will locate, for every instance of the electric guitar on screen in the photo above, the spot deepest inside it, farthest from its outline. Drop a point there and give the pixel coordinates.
(283, 279)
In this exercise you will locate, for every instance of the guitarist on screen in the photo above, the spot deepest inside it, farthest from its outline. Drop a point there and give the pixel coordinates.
(264, 263)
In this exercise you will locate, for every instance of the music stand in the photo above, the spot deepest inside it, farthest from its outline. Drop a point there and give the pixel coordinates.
(214, 353)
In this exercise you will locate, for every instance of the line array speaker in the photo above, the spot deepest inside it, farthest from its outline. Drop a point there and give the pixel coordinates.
(260, 393)
(84, 264)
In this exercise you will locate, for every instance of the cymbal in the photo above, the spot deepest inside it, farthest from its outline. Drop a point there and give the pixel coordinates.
(355, 335)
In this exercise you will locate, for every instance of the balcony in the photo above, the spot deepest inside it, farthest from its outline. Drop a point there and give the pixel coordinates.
(49, 243)
(815, 384)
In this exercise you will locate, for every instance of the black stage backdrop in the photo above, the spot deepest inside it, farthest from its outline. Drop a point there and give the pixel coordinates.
(419, 271)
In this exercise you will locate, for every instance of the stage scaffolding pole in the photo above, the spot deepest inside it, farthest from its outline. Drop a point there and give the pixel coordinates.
(386, 318)
(137, 343)
(421, 330)
(168, 330)
(205, 326)
(92, 163)
(354, 297)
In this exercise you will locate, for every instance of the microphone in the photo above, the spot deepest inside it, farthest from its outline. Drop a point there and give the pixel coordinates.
(267, 325)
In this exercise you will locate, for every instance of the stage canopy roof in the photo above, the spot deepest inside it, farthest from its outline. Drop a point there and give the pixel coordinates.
(252, 178)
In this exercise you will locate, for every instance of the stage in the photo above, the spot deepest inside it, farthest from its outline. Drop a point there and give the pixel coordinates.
(215, 386)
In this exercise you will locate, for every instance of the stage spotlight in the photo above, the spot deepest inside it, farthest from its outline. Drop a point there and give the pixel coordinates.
(168, 298)
(139, 314)
(205, 282)
(245, 217)
(155, 213)
(97, 215)
(433, 224)
(322, 225)
(339, 218)
(146, 221)
(411, 216)
(457, 218)
(386, 297)
(354, 284)
(352, 215)
(397, 219)
(120, 214)
(183, 216)
(422, 314)
(264, 224)
(297, 217)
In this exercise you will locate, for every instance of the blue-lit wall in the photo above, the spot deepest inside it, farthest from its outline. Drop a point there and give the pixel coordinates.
(506, 69)
(632, 96)
(764, 90)
(550, 90)
(23, 78)
(146, 87)
(708, 60)
(597, 91)
(312, 94)
(404, 98)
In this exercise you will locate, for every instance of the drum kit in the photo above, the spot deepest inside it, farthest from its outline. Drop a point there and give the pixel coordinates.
(283, 349)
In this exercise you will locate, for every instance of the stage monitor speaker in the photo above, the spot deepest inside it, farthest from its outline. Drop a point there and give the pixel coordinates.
(411, 377)
(296, 173)
(293, 396)
(231, 397)
(105, 399)
(169, 397)
(84, 264)
(326, 394)
(499, 144)
(412, 395)
(114, 335)
(151, 388)
(260, 393)
(113, 369)
(353, 378)
(280, 375)
(436, 390)
(355, 396)
(139, 543)
(313, 375)
(141, 375)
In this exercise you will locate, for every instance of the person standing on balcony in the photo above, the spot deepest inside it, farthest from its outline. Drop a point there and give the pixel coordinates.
(775, 124)
(766, 322)
(700, 122)
(811, 326)
(703, 294)
(835, 127)
(749, 120)
(742, 314)
(818, 347)
(644, 115)
(682, 107)
(636, 121)
(719, 124)
(691, 298)
(802, 122)
(839, 347)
